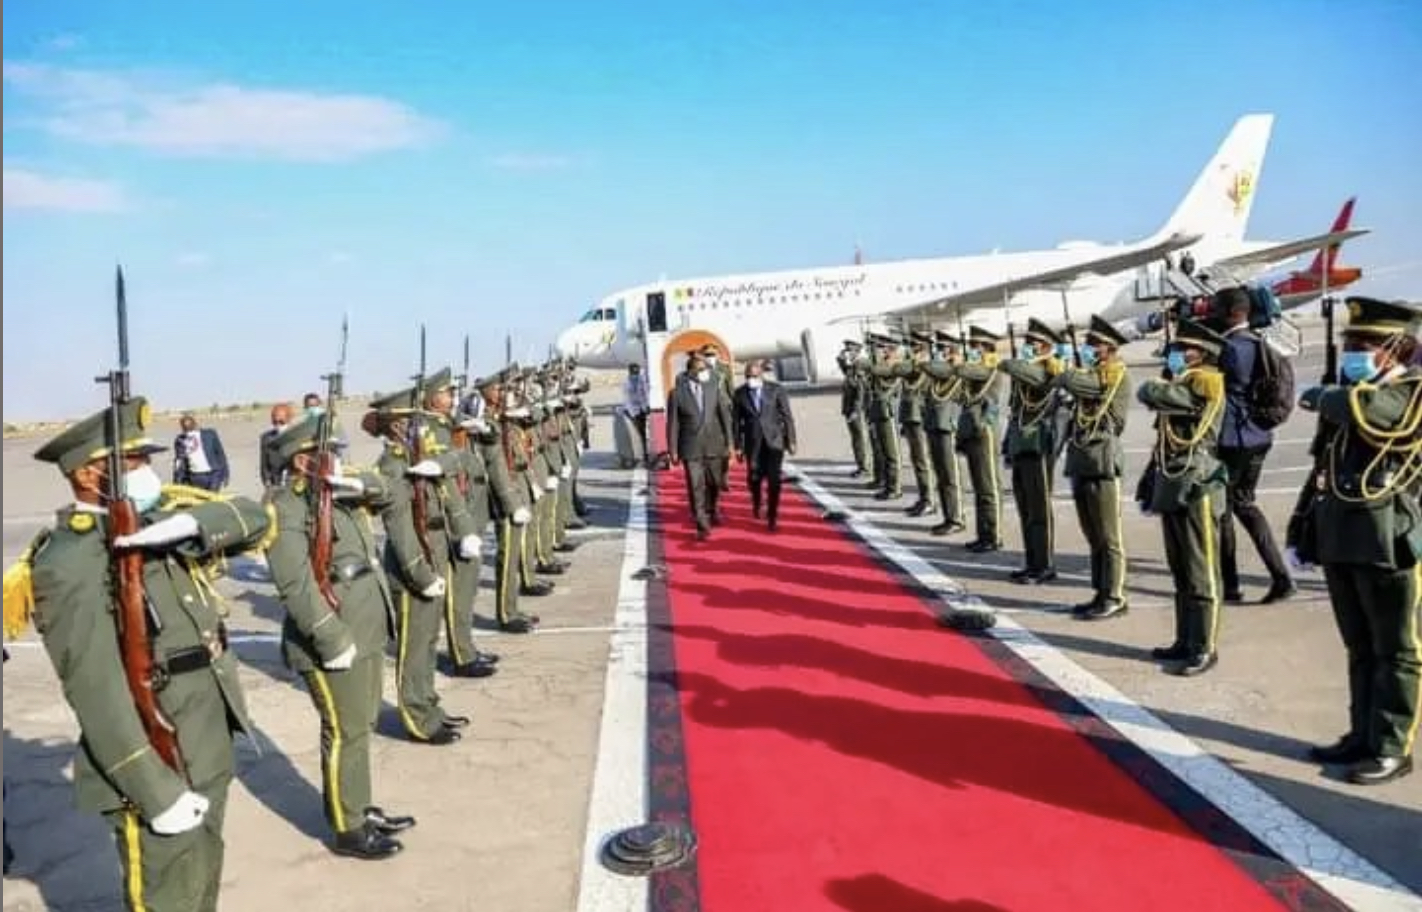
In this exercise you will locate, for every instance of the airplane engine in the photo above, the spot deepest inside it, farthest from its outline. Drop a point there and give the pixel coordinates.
(820, 346)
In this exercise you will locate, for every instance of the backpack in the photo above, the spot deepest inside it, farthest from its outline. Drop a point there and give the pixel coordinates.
(1271, 394)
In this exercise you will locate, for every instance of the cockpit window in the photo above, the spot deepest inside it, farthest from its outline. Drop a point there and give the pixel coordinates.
(608, 313)
(598, 315)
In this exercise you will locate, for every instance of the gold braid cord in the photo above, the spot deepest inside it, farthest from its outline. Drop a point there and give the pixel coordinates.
(1401, 443)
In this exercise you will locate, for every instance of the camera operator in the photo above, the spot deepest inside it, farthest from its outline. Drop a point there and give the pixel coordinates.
(1243, 447)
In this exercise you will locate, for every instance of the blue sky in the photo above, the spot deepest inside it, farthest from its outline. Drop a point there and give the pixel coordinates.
(492, 168)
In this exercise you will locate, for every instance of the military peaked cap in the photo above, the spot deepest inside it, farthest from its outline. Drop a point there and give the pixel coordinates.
(301, 437)
(979, 336)
(1037, 331)
(1197, 335)
(921, 337)
(943, 338)
(1103, 332)
(1370, 316)
(850, 343)
(88, 439)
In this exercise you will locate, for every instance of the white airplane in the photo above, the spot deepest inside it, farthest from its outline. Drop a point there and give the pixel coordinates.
(808, 312)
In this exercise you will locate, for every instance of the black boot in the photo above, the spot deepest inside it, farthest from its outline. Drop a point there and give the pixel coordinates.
(367, 843)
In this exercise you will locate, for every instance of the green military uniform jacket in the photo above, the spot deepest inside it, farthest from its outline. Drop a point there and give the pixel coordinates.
(505, 495)
(445, 517)
(1191, 410)
(1360, 514)
(942, 395)
(853, 390)
(885, 390)
(313, 632)
(980, 396)
(1031, 405)
(75, 613)
(914, 384)
(1101, 401)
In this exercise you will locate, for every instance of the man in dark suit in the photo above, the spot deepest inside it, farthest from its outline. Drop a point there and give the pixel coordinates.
(699, 436)
(273, 474)
(764, 433)
(198, 457)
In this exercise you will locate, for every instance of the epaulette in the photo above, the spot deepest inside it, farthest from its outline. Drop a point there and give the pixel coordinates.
(1207, 383)
(19, 586)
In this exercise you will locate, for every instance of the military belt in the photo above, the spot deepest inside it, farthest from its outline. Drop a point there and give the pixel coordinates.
(435, 523)
(191, 658)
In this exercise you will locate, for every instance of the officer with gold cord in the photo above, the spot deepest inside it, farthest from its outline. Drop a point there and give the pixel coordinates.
(1189, 491)
(1364, 527)
(1031, 447)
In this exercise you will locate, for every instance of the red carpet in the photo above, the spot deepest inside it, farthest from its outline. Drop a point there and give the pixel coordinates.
(844, 753)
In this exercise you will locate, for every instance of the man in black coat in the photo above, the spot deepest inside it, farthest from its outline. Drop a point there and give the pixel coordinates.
(764, 433)
(699, 437)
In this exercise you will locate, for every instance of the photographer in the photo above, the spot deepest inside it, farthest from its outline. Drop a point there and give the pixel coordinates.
(1243, 447)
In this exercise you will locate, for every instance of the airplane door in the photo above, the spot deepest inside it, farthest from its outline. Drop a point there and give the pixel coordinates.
(657, 311)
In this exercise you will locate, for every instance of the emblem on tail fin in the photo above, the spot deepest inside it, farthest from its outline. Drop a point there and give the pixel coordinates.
(1240, 189)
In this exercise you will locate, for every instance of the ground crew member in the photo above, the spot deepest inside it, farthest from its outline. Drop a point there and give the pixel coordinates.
(1100, 389)
(339, 650)
(981, 395)
(942, 408)
(911, 405)
(1189, 490)
(167, 819)
(1031, 445)
(852, 396)
(1367, 533)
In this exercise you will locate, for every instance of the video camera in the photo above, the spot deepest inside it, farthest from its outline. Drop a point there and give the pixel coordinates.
(1211, 310)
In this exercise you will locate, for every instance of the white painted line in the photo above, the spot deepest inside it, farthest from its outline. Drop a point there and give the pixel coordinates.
(619, 788)
(1336, 868)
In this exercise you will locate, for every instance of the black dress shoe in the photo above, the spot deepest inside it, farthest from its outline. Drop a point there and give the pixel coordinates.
(551, 568)
(1346, 749)
(1085, 608)
(1377, 770)
(366, 843)
(517, 625)
(486, 658)
(947, 528)
(456, 722)
(772, 524)
(1175, 652)
(703, 534)
(1022, 575)
(474, 669)
(387, 823)
(536, 588)
(1234, 597)
(1196, 664)
(566, 547)
(1282, 589)
(442, 736)
(1107, 608)
(983, 547)
(918, 509)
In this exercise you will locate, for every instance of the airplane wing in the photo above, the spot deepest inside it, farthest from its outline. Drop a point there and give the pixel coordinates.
(1283, 252)
(992, 295)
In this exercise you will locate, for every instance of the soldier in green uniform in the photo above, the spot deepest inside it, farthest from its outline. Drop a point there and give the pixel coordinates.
(1366, 532)
(981, 397)
(911, 405)
(885, 389)
(1189, 490)
(521, 444)
(167, 819)
(1100, 391)
(339, 650)
(573, 393)
(1031, 447)
(852, 396)
(508, 504)
(878, 464)
(424, 525)
(942, 409)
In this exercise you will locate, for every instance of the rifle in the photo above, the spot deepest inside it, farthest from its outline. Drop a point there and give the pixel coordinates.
(1070, 329)
(135, 645)
(415, 444)
(321, 493)
(1330, 352)
(458, 435)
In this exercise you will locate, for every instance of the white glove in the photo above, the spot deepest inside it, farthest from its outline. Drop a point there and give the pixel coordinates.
(173, 529)
(185, 814)
(426, 468)
(580, 448)
(470, 546)
(521, 516)
(1298, 563)
(477, 425)
(434, 590)
(342, 661)
(537, 494)
(565, 472)
(345, 486)
(551, 483)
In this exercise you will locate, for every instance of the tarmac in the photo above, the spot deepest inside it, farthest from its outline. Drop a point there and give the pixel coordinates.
(503, 815)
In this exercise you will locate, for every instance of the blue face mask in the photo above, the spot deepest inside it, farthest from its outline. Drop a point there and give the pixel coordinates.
(1027, 351)
(975, 355)
(314, 411)
(1175, 360)
(1088, 356)
(1064, 351)
(1358, 366)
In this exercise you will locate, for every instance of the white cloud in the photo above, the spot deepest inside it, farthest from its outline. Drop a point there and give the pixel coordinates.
(193, 259)
(30, 190)
(220, 119)
(530, 161)
(66, 41)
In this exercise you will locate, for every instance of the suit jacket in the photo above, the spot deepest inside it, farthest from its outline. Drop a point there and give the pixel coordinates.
(272, 474)
(211, 447)
(771, 425)
(698, 432)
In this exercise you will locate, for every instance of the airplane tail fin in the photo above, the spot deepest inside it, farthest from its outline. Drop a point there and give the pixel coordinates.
(1324, 262)
(1218, 205)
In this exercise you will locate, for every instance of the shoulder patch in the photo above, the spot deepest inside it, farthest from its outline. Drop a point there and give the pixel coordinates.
(81, 523)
